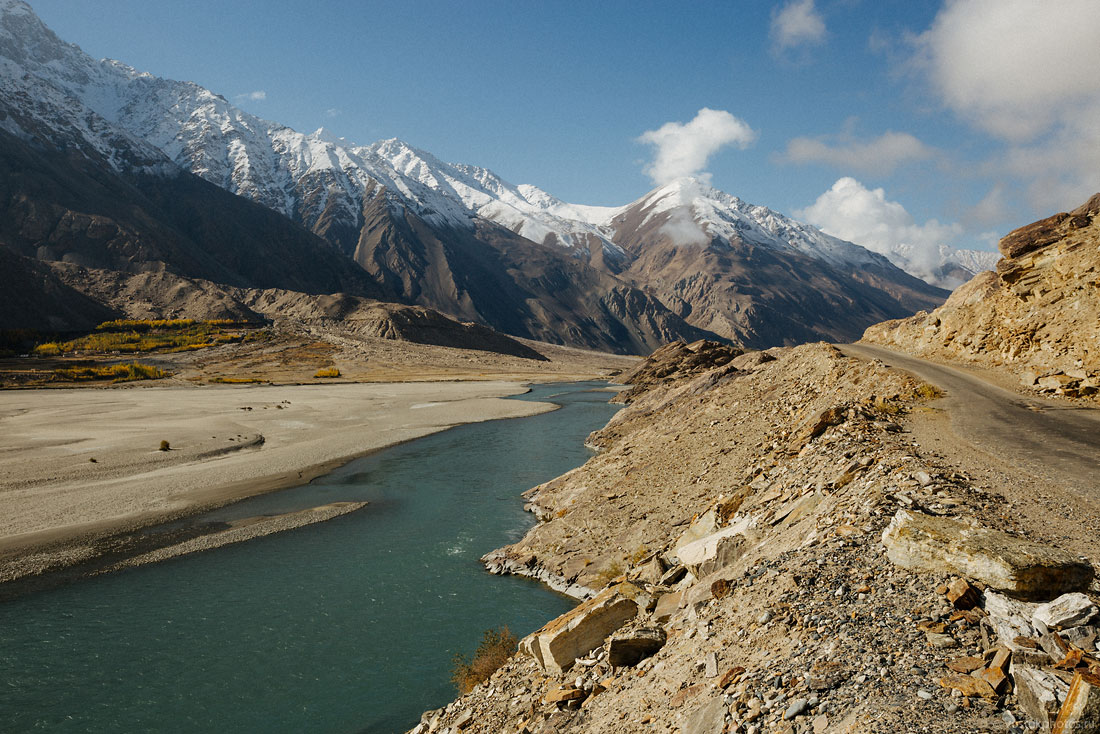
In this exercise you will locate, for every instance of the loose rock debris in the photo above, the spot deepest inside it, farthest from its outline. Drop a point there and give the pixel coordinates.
(742, 512)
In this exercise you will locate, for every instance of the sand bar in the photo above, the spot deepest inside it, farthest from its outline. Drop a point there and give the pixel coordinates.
(227, 442)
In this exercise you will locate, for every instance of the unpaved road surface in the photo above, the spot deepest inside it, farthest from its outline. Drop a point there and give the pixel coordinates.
(1053, 439)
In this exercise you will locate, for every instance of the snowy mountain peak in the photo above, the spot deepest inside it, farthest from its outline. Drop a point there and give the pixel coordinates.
(315, 176)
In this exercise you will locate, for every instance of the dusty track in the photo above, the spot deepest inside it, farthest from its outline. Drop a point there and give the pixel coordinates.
(1048, 438)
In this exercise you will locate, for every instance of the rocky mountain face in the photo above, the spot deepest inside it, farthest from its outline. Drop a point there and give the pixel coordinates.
(33, 298)
(684, 262)
(1037, 315)
(756, 276)
(67, 206)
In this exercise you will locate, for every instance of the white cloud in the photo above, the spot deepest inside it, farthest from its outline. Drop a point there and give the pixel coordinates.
(878, 156)
(683, 149)
(1025, 72)
(1015, 67)
(853, 212)
(258, 96)
(798, 23)
(992, 209)
(682, 229)
(332, 112)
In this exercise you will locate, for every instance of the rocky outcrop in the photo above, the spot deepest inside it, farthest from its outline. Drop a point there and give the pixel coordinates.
(577, 632)
(675, 361)
(927, 543)
(1038, 315)
(804, 623)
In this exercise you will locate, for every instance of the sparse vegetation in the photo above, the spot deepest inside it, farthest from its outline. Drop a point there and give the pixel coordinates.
(927, 392)
(236, 380)
(115, 372)
(165, 446)
(639, 555)
(147, 335)
(497, 645)
(328, 372)
(606, 575)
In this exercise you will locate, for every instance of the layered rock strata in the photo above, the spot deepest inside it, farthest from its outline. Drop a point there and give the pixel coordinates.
(1038, 315)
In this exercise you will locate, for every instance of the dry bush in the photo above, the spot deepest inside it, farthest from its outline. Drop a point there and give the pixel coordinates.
(328, 372)
(497, 645)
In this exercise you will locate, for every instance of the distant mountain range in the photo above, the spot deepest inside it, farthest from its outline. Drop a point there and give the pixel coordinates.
(107, 167)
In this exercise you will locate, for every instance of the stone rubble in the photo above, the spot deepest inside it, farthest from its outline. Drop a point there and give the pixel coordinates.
(735, 520)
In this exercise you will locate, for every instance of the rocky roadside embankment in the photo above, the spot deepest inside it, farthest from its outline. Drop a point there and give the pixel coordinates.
(1037, 316)
(760, 546)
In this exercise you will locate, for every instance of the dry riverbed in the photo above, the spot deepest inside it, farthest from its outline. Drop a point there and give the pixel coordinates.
(80, 469)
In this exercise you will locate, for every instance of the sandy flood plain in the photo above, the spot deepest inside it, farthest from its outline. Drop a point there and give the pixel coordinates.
(80, 464)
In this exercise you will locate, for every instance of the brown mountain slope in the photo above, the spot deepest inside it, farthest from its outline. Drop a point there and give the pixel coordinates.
(1038, 315)
(32, 297)
(69, 207)
(496, 277)
(761, 293)
(166, 295)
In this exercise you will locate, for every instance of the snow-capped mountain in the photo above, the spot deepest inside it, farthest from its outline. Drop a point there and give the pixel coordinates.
(457, 237)
(947, 267)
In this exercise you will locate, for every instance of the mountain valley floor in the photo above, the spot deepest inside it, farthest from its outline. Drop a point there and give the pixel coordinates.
(85, 470)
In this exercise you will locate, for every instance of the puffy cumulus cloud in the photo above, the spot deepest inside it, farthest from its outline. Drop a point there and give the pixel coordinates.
(797, 23)
(879, 156)
(1015, 67)
(683, 149)
(258, 96)
(1025, 72)
(851, 211)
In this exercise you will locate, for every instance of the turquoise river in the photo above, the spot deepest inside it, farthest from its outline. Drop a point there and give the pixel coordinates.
(344, 626)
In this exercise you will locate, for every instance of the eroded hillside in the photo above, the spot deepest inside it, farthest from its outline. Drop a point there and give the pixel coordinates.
(764, 547)
(1038, 315)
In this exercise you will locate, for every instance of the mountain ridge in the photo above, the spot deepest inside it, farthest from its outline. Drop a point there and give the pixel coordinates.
(459, 238)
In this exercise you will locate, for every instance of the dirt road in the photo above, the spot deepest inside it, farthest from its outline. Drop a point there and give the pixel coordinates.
(1054, 439)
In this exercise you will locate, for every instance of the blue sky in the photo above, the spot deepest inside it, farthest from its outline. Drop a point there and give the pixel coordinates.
(971, 116)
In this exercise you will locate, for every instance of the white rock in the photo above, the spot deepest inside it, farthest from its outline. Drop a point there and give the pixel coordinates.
(1068, 610)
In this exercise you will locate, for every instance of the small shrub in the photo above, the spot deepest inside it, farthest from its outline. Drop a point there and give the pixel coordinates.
(165, 446)
(927, 392)
(607, 575)
(497, 645)
(235, 380)
(639, 555)
(328, 372)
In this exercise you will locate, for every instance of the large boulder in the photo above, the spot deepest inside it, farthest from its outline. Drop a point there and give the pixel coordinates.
(943, 545)
(718, 550)
(579, 631)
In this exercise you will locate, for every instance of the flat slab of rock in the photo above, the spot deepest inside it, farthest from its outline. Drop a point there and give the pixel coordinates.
(1080, 713)
(942, 545)
(1040, 694)
(707, 719)
(579, 631)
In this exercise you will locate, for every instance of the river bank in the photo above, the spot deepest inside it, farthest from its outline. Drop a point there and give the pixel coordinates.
(82, 467)
(351, 624)
(743, 545)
